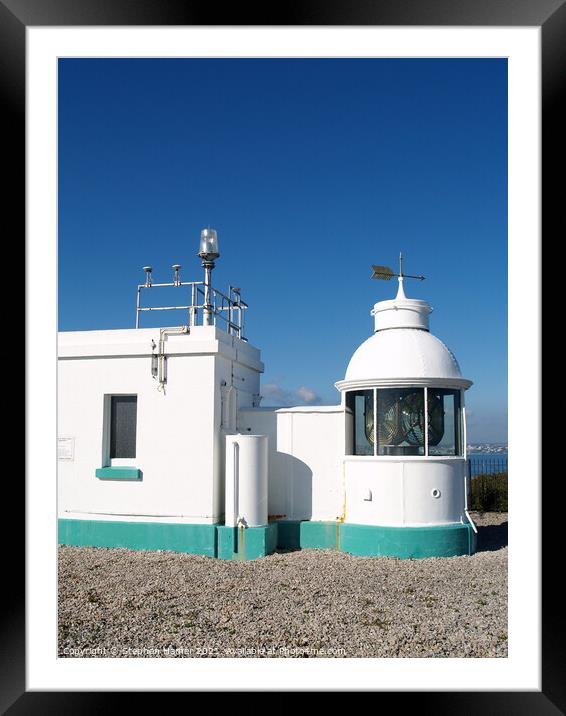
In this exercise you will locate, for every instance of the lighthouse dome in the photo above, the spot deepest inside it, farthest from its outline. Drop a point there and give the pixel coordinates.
(402, 351)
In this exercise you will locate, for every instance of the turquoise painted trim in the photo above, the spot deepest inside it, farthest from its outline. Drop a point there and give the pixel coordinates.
(304, 534)
(320, 535)
(194, 539)
(214, 540)
(227, 542)
(246, 542)
(449, 540)
(118, 473)
(288, 534)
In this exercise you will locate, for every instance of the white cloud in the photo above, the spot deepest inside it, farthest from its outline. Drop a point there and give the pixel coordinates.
(308, 395)
(273, 394)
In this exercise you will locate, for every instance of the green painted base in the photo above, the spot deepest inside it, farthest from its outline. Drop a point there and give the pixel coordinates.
(118, 473)
(451, 540)
(308, 535)
(195, 539)
(373, 541)
(239, 543)
(246, 542)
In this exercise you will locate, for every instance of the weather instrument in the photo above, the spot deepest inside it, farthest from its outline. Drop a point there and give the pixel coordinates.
(384, 273)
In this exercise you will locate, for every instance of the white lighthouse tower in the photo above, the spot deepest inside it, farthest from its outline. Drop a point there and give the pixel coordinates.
(405, 443)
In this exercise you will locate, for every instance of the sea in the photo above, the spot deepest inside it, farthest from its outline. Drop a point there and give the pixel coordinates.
(487, 462)
(484, 456)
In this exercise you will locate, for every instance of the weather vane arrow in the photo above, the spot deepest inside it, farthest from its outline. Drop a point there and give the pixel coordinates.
(384, 273)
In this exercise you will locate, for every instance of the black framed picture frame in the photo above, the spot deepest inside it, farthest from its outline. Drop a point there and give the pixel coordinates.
(550, 16)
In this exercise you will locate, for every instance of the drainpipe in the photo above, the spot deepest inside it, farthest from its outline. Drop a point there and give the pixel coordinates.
(161, 377)
(464, 437)
(466, 501)
(238, 519)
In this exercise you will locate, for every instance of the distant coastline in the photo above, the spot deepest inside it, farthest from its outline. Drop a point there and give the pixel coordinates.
(487, 449)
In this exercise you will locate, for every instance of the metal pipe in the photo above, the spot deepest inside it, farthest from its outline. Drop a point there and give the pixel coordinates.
(466, 506)
(214, 303)
(161, 377)
(138, 309)
(236, 482)
(163, 308)
(181, 283)
(465, 451)
(207, 311)
(191, 307)
(239, 316)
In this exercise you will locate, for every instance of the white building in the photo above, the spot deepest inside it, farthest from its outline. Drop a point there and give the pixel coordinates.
(145, 415)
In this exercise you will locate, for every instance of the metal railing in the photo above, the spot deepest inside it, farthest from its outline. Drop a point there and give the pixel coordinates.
(225, 311)
(486, 466)
(487, 484)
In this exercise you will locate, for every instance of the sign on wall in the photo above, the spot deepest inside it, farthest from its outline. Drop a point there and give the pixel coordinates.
(65, 448)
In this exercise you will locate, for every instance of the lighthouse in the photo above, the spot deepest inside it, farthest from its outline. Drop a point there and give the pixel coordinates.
(405, 478)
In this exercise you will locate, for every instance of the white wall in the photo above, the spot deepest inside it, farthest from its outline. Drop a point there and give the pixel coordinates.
(310, 478)
(177, 432)
(306, 449)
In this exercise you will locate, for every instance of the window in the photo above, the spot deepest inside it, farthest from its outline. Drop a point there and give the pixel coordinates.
(400, 421)
(122, 428)
(391, 421)
(359, 409)
(444, 422)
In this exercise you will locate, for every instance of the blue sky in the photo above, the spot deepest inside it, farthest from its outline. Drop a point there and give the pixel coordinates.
(311, 171)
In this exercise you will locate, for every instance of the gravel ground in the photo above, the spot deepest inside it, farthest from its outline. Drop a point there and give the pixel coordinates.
(123, 603)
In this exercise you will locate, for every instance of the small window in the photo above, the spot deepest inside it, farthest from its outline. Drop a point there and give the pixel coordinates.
(122, 427)
(444, 422)
(360, 423)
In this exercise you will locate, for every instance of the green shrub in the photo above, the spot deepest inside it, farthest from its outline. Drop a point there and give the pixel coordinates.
(489, 492)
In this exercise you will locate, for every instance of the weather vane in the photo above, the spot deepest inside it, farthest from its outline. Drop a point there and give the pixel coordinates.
(384, 273)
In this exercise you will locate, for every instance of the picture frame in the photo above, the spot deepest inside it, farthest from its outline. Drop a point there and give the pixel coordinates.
(17, 15)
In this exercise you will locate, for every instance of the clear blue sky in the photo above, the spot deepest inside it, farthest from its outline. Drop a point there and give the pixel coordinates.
(311, 171)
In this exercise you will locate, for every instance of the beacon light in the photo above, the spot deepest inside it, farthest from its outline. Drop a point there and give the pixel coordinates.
(208, 245)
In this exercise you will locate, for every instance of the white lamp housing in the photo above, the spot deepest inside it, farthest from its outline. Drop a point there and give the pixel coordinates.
(208, 245)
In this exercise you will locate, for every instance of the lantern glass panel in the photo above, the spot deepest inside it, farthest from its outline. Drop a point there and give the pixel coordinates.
(444, 422)
(400, 421)
(359, 422)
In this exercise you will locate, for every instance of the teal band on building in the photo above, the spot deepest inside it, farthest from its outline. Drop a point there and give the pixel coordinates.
(118, 473)
(241, 543)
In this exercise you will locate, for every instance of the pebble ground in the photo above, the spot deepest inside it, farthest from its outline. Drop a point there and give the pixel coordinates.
(310, 603)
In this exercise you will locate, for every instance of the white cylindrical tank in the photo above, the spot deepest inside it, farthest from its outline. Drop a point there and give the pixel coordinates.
(246, 480)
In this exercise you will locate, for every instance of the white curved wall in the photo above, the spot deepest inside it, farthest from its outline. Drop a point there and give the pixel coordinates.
(392, 492)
